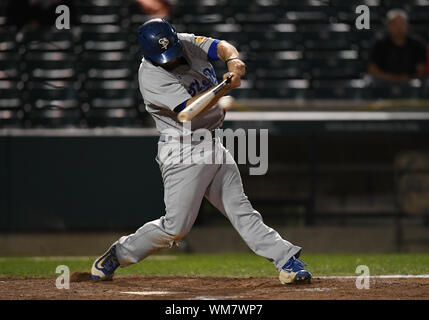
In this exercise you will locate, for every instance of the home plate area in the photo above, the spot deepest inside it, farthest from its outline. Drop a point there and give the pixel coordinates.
(215, 288)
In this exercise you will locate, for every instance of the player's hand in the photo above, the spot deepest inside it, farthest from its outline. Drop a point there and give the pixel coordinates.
(235, 80)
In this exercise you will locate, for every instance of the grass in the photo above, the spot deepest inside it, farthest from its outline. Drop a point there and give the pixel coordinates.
(227, 265)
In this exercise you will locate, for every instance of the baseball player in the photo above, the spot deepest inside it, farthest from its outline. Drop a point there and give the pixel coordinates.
(174, 72)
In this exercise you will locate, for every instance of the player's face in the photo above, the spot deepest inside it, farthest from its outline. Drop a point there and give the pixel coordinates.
(398, 27)
(172, 64)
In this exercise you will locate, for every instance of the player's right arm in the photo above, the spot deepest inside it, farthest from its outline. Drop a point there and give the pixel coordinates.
(236, 68)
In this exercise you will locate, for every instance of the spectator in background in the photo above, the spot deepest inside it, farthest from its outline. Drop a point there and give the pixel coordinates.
(155, 8)
(398, 57)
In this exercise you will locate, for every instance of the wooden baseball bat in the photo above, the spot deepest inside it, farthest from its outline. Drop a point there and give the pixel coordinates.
(198, 105)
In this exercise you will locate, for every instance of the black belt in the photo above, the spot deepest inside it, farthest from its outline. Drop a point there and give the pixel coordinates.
(165, 138)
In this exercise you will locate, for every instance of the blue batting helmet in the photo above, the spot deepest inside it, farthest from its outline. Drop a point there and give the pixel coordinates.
(159, 41)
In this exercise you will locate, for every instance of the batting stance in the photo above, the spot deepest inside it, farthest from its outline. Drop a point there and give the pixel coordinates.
(174, 73)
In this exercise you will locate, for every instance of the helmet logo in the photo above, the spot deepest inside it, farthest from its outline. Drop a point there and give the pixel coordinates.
(164, 43)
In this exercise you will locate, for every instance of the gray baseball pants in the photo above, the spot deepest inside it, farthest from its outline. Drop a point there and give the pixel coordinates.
(185, 185)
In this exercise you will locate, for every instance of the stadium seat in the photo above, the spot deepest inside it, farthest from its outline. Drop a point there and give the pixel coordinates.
(112, 107)
(47, 40)
(108, 70)
(11, 113)
(337, 69)
(52, 104)
(286, 89)
(61, 97)
(203, 18)
(326, 41)
(9, 70)
(112, 102)
(257, 18)
(104, 38)
(8, 41)
(304, 17)
(295, 49)
(48, 70)
(99, 14)
(337, 89)
(47, 66)
(394, 91)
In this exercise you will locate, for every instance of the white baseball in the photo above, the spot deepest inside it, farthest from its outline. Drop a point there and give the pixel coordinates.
(226, 102)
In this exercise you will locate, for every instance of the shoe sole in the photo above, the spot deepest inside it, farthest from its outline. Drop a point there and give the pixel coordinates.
(291, 278)
(106, 278)
(302, 280)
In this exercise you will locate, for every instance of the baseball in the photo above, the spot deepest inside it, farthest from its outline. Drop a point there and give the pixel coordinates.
(226, 102)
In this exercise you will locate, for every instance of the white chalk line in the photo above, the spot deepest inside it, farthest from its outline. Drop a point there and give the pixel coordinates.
(393, 276)
(317, 289)
(212, 297)
(148, 293)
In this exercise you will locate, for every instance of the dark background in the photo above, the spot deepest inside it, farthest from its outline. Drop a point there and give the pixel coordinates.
(62, 92)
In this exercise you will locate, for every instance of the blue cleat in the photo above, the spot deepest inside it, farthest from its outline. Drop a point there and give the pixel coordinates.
(104, 266)
(293, 272)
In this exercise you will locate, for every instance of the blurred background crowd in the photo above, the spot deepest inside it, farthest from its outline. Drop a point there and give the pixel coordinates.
(296, 50)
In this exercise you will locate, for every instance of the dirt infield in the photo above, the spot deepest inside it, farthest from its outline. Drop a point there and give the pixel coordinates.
(208, 288)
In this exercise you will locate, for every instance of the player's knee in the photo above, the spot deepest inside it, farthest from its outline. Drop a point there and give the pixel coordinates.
(238, 204)
(176, 230)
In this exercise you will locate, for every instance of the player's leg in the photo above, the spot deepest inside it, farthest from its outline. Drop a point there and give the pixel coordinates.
(184, 188)
(226, 193)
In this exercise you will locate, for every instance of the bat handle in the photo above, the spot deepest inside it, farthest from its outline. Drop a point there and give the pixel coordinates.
(223, 84)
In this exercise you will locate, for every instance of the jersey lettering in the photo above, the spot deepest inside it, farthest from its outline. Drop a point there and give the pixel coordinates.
(211, 74)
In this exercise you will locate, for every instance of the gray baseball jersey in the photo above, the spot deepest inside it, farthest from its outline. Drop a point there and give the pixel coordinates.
(163, 91)
(187, 183)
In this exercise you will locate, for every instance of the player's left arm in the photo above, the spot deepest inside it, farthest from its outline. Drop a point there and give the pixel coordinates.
(236, 67)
